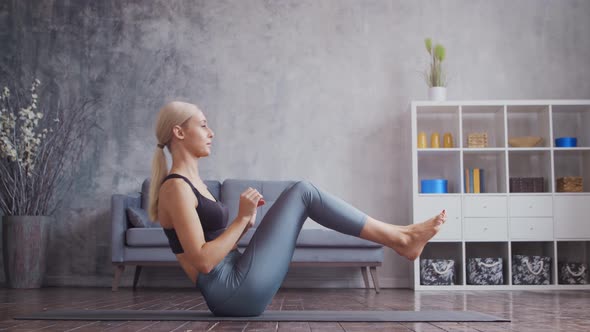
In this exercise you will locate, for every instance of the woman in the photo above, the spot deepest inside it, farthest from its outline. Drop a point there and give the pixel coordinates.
(232, 283)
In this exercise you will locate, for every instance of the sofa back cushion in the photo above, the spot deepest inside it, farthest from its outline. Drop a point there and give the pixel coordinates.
(233, 188)
(213, 186)
(139, 217)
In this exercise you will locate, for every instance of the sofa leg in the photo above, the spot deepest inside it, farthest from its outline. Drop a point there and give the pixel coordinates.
(136, 277)
(118, 272)
(373, 270)
(365, 276)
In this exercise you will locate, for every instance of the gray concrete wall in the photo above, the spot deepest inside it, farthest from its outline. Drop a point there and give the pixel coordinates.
(293, 89)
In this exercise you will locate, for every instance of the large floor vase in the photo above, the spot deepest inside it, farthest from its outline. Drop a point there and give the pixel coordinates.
(24, 248)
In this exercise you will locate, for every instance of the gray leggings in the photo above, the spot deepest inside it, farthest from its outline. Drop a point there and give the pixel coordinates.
(244, 284)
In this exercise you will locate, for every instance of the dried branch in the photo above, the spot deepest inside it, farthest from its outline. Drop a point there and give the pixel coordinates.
(49, 148)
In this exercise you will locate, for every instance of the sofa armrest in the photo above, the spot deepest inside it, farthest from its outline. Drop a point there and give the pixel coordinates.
(119, 204)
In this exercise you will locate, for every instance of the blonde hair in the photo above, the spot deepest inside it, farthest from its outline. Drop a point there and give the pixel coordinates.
(172, 114)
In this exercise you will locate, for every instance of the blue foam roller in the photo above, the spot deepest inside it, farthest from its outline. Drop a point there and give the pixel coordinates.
(434, 186)
(566, 142)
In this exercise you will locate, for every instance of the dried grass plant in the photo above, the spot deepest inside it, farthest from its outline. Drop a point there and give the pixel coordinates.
(41, 148)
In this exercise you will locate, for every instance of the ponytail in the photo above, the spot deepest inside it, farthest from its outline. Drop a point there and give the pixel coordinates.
(159, 172)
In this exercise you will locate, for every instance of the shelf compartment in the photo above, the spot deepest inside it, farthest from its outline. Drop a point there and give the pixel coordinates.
(440, 164)
(576, 253)
(531, 164)
(573, 163)
(493, 250)
(533, 120)
(440, 119)
(486, 206)
(572, 121)
(541, 248)
(531, 228)
(428, 206)
(481, 119)
(570, 215)
(530, 205)
(485, 229)
(443, 251)
(493, 164)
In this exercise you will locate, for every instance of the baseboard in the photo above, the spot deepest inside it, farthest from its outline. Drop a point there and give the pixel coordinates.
(183, 282)
(343, 283)
(107, 281)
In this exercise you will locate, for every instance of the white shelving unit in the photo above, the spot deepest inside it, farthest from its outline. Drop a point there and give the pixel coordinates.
(500, 223)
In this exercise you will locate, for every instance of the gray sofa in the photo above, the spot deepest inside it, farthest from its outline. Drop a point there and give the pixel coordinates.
(141, 246)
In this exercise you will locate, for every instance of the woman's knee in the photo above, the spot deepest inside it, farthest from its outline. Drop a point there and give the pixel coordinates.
(304, 185)
(306, 190)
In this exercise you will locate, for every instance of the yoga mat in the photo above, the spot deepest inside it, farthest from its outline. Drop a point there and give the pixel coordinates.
(270, 315)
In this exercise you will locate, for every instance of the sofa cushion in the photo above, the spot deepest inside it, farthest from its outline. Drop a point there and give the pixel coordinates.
(320, 238)
(139, 217)
(233, 188)
(213, 186)
(330, 238)
(301, 255)
(146, 237)
(308, 238)
(338, 255)
(141, 256)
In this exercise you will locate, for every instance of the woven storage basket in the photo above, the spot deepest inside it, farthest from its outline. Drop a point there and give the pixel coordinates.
(477, 140)
(570, 184)
(531, 270)
(435, 271)
(527, 185)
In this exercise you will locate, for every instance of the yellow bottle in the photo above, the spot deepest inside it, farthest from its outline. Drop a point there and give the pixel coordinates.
(448, 140)
(435, 140)
(422, 140)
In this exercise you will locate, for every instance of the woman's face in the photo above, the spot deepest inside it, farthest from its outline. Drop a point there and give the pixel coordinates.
(197, 135)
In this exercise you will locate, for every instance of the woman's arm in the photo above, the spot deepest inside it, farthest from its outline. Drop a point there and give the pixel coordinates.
(251, 223)
(178, 202)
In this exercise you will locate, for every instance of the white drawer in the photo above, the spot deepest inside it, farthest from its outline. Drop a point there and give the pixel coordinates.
(531, 206)
(427, 207)
(531, 229)
(484, 206)
(485, 229)
(570, 214)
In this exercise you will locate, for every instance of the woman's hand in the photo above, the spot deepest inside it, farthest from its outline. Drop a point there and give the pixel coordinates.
(248, 203)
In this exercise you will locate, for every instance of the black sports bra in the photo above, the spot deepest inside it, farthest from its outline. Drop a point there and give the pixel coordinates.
(213, 216)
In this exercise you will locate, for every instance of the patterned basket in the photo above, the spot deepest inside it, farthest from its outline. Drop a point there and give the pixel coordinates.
(477, 140)
(531, 270)
(573, 273)
(527, 185)
(570, 184)
(484, 271)
(437, 271)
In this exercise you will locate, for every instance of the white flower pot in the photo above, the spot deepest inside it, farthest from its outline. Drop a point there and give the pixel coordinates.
(437, 93)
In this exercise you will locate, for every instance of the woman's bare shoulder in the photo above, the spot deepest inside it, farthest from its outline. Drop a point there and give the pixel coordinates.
(175, 194)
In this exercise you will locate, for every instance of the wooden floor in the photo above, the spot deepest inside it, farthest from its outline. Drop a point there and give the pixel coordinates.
(529, 311)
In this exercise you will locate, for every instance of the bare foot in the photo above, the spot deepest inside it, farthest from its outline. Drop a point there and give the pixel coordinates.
(413, 238)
